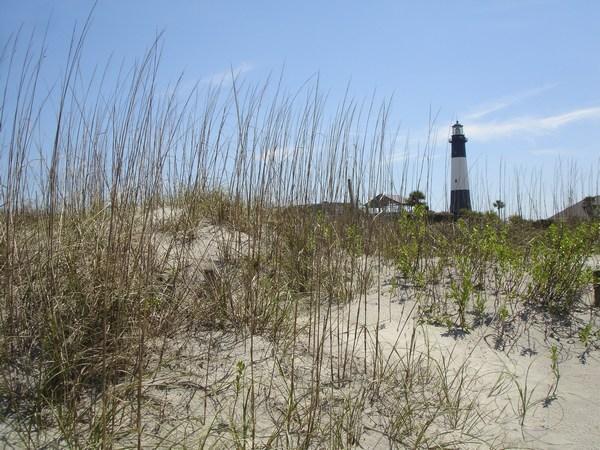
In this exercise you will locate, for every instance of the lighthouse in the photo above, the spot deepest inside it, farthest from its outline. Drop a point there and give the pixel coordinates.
(460, 197)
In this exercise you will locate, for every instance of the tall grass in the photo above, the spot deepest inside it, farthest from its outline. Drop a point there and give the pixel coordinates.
(144, 230)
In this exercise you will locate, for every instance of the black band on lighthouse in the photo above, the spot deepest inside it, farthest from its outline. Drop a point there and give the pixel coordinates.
(460, 200)
(458, 147)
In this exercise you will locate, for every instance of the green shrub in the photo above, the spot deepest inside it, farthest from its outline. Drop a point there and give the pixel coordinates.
(558, 266)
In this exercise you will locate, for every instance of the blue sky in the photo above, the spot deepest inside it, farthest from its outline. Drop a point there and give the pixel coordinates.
(522, 76)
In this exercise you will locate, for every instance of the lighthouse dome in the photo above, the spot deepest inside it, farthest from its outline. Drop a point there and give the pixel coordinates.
(457, 129)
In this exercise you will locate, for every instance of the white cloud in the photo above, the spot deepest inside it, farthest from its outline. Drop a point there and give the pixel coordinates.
(403, 155)
(549, 151)
(504, 102)
(279, 154)
(529, 125)
(226, 77)
(414, 155)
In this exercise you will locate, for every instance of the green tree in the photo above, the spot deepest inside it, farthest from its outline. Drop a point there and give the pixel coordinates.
(416, 198)
(499, 204)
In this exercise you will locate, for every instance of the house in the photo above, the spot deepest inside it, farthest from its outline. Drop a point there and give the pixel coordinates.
(586, 209)
(386, 203)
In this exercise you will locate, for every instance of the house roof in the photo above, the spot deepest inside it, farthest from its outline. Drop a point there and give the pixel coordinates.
(588, 208)
(382, 200)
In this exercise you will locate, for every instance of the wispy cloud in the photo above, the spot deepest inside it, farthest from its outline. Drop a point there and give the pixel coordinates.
(506, 101)
(549, 151)
(279, 154)
(226, 77)
(422, 154)
(403, 155)
(530, 125)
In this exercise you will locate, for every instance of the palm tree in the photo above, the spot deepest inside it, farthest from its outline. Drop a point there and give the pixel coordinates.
(416, 198)
(499, 204)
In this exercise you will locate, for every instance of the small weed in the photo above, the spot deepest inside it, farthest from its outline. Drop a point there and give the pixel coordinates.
(555, 373)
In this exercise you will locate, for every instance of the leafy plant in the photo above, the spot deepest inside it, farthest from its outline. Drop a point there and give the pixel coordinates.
(558, 271)
(555, 372)
(479, 308)
(587, 337)
(460, 293)
(411, 250)
(502, 325)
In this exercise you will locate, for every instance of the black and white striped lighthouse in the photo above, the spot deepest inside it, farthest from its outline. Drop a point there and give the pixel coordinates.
(460, 197)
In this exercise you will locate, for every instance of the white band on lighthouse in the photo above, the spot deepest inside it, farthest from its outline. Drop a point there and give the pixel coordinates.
(458, 172)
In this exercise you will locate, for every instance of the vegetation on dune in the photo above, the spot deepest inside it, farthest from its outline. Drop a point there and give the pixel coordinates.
(149, 229)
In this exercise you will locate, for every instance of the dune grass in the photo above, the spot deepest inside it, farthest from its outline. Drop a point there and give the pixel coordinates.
(166, 282)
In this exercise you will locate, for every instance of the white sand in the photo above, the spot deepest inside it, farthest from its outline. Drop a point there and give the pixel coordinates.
(199, 391)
